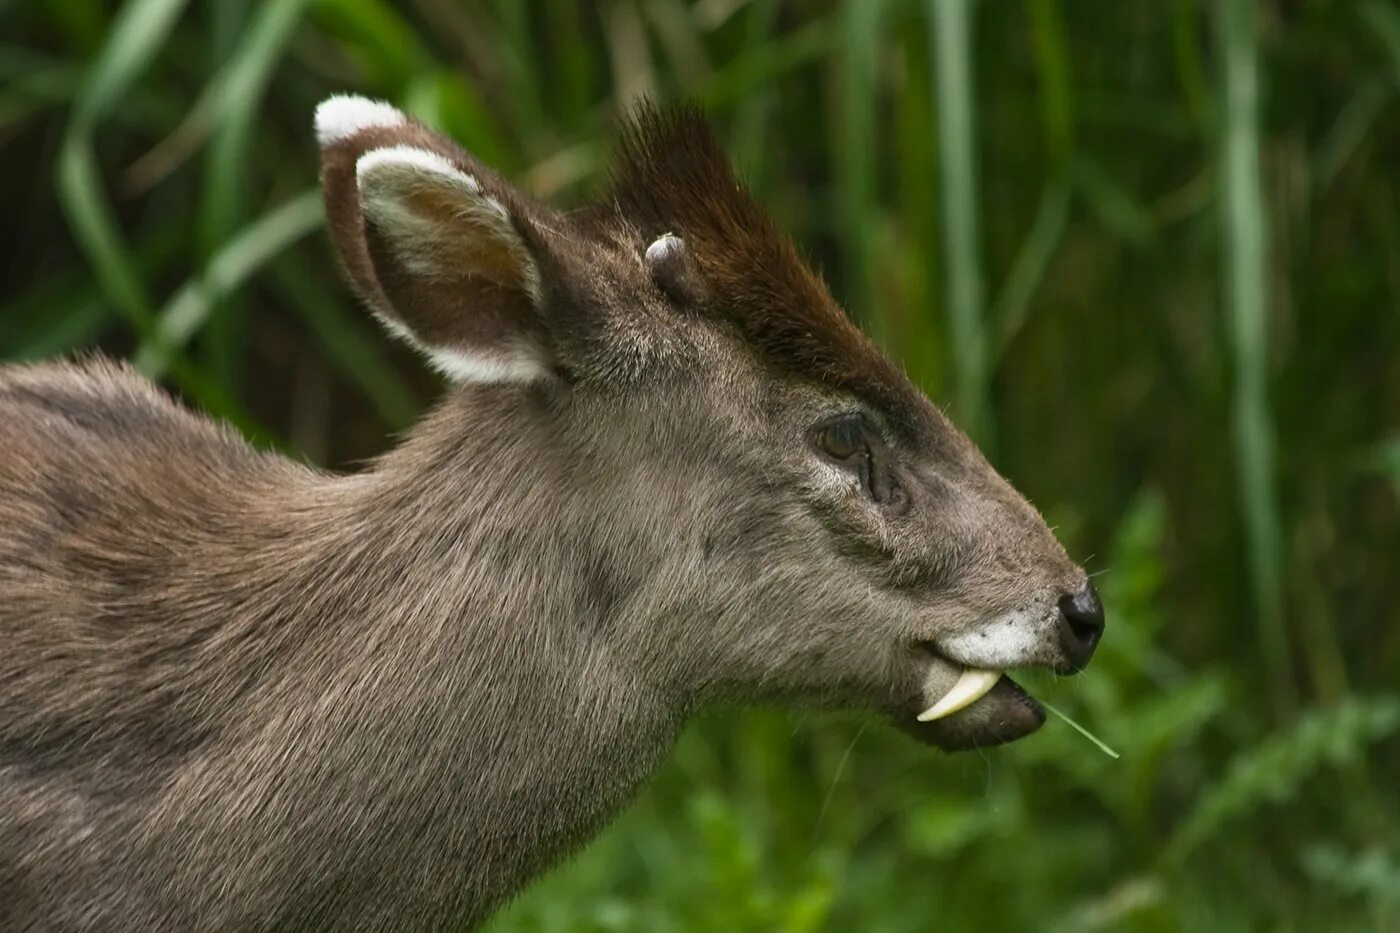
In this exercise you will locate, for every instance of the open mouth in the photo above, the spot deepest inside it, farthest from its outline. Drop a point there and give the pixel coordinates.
(970, 687)
(982, 708)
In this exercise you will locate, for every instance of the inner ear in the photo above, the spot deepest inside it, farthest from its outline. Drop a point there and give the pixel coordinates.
(471, 327)
(452, 265)
(436, 221)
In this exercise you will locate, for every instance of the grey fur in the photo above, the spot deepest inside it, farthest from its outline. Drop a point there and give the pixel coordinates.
(237, 693)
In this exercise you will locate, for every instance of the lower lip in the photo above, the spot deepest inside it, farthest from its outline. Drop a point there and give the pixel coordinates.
(1017, 691)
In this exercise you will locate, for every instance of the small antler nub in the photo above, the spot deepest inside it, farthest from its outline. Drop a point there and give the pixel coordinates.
(674, 270)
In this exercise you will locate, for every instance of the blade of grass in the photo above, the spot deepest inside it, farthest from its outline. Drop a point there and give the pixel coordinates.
(95, 227)
(1186, 56)
(1012, 306)
(1047, 32)
(228, 177)
(41, 321)
(31, 80)
(1117, 207)
(1246, 302)
(82, 21)
(375, 36)
(1103, 746)
(232, 94)
(630, 52)
(1349, 130)
(855, 167)
(343, 338)
(140, 28)
(446, 102)
(137, 33)
(679, 38)
(514, 38)
(258, 243)
(74, 326)
(915, 319)
(36, 88)
(762, 64)
(1382, 20)
(36, 321)
(223, 201)
(749, 134)
(579, 71)
(950, 25)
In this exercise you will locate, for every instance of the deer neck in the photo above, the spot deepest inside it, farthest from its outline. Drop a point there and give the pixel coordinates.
(470, 668)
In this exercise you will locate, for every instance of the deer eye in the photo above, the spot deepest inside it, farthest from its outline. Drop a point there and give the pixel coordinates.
(847, 441)
(843, 439)
(854, 444)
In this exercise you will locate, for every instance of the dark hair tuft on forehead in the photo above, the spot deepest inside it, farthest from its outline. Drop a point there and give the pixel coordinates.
(672, 176)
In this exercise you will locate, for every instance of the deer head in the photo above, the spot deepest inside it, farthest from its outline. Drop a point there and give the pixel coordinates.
(784, 515)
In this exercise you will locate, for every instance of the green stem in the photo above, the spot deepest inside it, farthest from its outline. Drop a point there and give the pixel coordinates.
(950, 25)
(858, 147)
(1246, 300)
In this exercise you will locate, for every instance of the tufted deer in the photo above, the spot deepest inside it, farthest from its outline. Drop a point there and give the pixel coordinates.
(237, 693)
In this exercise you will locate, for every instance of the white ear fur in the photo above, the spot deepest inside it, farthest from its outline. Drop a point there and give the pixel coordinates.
(343, 115)
(408, 161)
(431, 246)
(521, 363)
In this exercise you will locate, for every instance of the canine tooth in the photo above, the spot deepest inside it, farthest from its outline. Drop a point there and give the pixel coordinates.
(970, 688)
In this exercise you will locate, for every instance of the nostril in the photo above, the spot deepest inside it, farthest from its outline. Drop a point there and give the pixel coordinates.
(1083, 617)
(1085, 628)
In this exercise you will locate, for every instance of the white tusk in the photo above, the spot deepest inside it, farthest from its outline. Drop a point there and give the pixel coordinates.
(971, 687)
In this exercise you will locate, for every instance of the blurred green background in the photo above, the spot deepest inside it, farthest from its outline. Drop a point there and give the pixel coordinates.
(1148, 251)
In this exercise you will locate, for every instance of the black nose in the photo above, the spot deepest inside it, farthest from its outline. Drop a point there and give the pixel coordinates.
(1081, 625)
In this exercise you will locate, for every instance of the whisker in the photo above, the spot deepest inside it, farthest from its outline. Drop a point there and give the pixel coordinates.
(836, 779)
(797, 726)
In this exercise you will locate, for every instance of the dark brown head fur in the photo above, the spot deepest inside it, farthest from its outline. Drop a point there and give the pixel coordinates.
(671, 176)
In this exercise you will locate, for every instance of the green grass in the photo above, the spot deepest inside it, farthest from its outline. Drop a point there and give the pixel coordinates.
(1151, 251)
(1246, 266)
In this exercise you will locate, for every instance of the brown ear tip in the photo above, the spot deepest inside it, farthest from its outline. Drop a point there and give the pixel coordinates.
(341, 116)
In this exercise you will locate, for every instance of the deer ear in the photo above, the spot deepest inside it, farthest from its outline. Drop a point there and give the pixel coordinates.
(433, 242)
